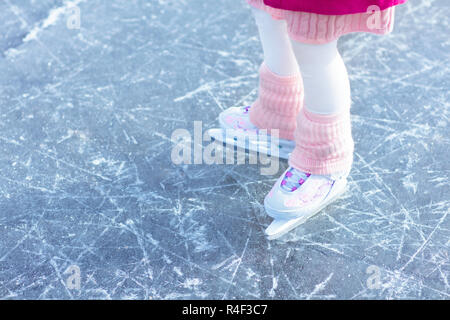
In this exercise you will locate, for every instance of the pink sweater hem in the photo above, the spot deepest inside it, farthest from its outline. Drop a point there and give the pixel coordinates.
(316, 28)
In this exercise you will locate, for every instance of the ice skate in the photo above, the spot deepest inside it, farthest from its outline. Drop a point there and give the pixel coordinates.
(297, 196)
(236, 129)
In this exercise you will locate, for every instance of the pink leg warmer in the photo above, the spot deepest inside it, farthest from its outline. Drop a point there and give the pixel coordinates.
(324, 143)
(280, 100)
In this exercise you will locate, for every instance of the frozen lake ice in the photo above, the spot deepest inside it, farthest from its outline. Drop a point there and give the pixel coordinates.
(87, 182)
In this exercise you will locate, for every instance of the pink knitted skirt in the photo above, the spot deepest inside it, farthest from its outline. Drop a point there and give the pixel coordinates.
(319, 28)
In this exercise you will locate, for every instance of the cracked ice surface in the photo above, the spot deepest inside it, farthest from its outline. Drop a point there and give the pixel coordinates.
(86, 179)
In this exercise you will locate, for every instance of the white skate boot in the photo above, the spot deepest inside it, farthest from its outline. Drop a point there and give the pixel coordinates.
(236, 129)
(297, 196)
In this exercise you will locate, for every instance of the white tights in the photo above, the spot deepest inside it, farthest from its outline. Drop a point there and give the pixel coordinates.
(325, 77)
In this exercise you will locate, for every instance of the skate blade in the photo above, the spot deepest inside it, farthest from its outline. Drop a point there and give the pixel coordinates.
(251, 143)
(278, 227)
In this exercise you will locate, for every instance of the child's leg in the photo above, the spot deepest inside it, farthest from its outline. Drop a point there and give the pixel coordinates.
(325, 78)
(280, 84)
(323, 154)
(280, 95)
(278, 54)
(324, 143)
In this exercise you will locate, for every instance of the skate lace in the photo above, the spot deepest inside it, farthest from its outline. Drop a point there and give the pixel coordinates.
(293, 179)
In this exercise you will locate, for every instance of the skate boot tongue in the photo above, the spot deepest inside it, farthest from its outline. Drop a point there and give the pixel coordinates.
(293, 179)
